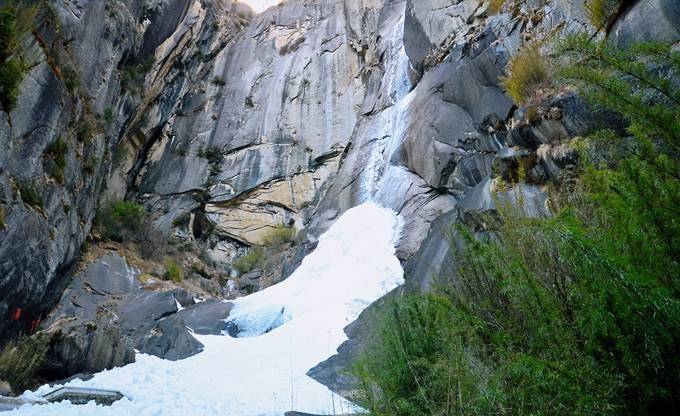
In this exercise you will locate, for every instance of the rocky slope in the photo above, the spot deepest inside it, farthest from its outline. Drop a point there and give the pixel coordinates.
(241, 124)
(93, 70)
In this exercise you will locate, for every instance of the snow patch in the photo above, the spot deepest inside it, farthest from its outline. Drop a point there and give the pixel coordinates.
(288, 329)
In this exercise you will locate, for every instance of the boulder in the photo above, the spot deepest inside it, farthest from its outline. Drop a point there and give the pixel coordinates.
(648, 20)
(207, 318)
(5, 389)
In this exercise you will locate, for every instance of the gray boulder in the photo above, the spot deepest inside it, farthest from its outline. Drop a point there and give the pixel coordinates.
(647, 20)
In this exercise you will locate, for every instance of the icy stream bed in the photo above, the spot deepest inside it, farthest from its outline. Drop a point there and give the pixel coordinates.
(285, 330)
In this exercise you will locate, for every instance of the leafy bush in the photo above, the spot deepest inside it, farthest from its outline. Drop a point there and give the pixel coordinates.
(16, 21)
(527, 71)
(133, 75)
(173, 271)
(279, 237)
(21, 361)
(119, 154)
(11, 75)
(275, 241)
(182, 221)
(601, 12)
(246, 263)
(30, 194)
(57, 155)
(120, 221)
(578, 313)
(2, 218)
(109, 116)
(86, 129)
(219, 81)
(128, 222)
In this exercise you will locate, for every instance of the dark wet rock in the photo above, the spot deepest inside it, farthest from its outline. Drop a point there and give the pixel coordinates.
(90, 347)
(141, 308)
(335, 371)
(207, 318)
(85, 332)
(167, 338)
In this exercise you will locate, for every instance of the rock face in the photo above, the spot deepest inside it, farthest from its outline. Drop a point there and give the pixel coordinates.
(103, 317)
(88, 81)
(200, 109)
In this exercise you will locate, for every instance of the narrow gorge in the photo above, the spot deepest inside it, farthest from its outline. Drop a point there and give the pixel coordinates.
(217, 207)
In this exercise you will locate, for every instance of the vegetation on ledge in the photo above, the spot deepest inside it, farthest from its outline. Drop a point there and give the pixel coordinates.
(578, 313)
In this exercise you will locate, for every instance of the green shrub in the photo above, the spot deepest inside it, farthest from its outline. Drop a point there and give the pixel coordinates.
(527, 71)
(11, 75)
(86, 129)
(120, 153)
(128, 222)
(22, 360)
(120, 221)
(219, 81)
(133, 75)
(16, 21)
(70, 76)
(182, 220)
(279, 237)
(601, 12)
(2, 218)
(109, 116)
(249, 261)
(173, 271)
(578, 313)
(56, 152)
(30, 194)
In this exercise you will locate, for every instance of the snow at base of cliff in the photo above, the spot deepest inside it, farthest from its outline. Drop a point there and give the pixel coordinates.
(264, 373)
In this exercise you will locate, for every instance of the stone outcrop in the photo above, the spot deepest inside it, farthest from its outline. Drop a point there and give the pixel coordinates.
(104, 316)
(94, 70)
(243, 123)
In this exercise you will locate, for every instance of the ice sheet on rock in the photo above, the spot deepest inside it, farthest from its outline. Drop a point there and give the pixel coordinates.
(265, 374)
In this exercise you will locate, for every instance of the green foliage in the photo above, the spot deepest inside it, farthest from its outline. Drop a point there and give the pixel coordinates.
(22, 360)
(219, 81)
(601, 12)
(213, 154)
(624, 81)
(182, 221)
(2, 218)
(246, 263)
(120, 153)
(16, 21)
(117, 221)
(86, 129)
(527, 71)
(173, 271)
(133, 75)
(70, 76)
(11, 75)
(109, 116)
(578, 313)
(30, 194)
(279, 237)
(275, 241)
(56, 153)
(129, 223)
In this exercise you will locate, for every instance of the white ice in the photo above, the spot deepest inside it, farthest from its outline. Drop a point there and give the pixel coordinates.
(265, 373)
